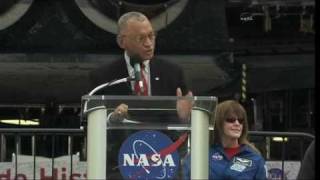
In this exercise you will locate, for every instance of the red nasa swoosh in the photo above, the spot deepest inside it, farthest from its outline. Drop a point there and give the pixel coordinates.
(174, 146)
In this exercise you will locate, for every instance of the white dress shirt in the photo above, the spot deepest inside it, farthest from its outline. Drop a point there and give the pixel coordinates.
(146, 72)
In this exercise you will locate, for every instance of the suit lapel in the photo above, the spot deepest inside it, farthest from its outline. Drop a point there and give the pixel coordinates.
(122, 72)
(155, 78)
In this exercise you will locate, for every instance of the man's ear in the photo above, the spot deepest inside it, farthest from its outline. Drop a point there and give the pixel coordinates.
(120, 41)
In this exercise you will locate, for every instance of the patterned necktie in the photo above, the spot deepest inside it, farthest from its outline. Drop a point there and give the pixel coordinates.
(145, 84)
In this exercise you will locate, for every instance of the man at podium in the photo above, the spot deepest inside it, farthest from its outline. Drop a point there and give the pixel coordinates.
(137, 38)
(153, 76)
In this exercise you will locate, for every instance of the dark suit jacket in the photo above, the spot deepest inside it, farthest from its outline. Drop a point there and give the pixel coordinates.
(169, 75)
(165, 78)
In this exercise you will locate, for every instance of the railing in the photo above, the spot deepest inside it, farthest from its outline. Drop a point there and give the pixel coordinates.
(52, 143)
(283, 137)
(18, 133)
(287, 142)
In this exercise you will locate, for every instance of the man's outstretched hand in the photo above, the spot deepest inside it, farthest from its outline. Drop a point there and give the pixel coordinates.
(184, 106)
(119, 114)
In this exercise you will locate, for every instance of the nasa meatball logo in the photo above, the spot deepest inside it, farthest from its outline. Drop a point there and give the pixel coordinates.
(148, 155)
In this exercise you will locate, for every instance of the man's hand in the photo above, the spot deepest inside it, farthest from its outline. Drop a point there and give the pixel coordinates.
(119, 113)
(184, 106)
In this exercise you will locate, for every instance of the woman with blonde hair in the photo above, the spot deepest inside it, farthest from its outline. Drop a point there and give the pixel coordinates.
(232, 156)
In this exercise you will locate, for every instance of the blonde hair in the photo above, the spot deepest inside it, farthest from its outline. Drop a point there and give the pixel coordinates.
(224, 109)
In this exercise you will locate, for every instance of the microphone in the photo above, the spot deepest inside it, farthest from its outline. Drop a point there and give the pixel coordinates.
(135, 61)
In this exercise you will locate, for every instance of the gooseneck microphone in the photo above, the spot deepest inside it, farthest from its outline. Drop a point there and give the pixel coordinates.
(107, 84)
(135, 61)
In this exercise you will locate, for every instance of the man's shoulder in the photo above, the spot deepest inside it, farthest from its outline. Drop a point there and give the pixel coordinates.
(165, 63)
(108, 65)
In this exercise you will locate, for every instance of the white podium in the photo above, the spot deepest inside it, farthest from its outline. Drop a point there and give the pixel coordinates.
(147, 113)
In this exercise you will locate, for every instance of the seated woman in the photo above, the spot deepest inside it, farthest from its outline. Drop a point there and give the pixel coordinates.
(232, 155)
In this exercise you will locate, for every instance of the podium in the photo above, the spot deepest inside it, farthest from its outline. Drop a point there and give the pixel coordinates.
(147, 114)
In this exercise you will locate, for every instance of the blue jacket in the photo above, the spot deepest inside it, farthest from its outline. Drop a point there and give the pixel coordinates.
(246, 164)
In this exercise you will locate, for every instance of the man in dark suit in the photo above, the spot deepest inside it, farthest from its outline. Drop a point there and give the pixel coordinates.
(137, 38)
(162, 78)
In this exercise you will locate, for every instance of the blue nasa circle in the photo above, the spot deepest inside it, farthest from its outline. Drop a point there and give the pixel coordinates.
(148, 154)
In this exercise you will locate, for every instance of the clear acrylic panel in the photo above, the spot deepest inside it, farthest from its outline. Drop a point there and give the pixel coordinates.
(151, 142)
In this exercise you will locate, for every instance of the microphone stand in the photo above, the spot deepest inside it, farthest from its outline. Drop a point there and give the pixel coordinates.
(111, 83)
(107, 84)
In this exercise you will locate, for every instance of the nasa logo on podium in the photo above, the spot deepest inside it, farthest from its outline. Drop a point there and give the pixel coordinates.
(148, 154)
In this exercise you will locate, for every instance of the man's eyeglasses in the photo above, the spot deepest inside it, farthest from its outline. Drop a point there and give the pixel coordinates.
(140, 39)
(232, 120)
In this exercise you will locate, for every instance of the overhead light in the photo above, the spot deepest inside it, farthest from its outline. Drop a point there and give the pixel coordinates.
(21, 122)
(279, 139)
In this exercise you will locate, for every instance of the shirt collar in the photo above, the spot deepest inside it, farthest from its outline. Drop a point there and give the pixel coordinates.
(130, 68)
